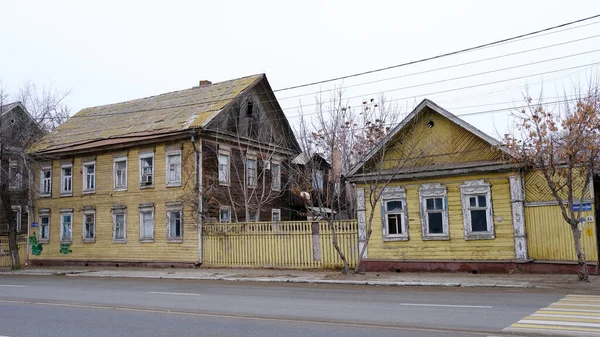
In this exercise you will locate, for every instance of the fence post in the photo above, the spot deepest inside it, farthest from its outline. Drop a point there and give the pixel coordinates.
(316, 241)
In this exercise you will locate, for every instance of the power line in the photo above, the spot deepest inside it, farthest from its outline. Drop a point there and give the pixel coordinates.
(439, 56)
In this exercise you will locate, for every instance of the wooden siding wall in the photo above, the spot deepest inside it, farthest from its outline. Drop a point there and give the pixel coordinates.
(298, 244)
(456, 248)
(549, 237)
(103, 249)
(5, 261)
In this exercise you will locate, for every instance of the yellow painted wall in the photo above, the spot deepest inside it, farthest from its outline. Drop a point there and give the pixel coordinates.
(536, 188)
(444, 143)
(103, 248)
(456, 248)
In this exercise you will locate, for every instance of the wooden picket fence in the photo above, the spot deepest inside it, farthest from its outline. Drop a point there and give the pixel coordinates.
(290, 244)
(5, 253)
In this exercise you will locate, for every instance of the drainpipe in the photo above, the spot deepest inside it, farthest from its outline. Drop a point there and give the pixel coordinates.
(198, 188)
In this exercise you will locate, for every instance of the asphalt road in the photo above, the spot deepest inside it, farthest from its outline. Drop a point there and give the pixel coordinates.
(78, 306)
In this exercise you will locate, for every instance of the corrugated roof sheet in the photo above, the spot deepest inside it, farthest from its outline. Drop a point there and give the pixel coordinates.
(173, 111)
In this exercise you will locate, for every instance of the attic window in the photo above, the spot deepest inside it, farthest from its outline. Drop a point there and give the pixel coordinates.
(249, 107)
(430, 124)
(12, 121)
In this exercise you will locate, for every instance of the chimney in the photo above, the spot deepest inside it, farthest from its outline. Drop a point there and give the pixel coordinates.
(204, 83)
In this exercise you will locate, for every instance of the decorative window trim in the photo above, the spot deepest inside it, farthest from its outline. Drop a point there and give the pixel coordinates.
(44, 213)
(223, 151)
(394, 194)
(115, 161)
(44, 194)
(18, 209)
(18, 184)
(172, 208)
(474, 188)
(63, 191)
(63, 212)
(228, 208)
(275, 187)
(168, 154)
(85, 173)
(88, 210)
(119, 210)
(251, 156)
(428, 191)
(147, 208)
(318, 179)
(143, 183)
(275, 211)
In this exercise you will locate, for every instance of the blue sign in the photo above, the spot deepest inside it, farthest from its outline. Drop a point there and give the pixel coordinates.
(34, 224)
(584, 207)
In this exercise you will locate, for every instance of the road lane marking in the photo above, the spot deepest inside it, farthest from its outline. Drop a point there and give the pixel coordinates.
(167, 293)
(445, 305)
(566, 316)
(561, 323)
(12, 286)
(553, 328)
(273, 319)
(571, 309)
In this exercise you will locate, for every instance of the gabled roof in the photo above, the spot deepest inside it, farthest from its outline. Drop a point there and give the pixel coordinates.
(426, 103)
(7, 108)
(168, 113)
(305, 158)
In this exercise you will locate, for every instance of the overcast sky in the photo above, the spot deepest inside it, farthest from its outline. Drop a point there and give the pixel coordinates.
(112, 51)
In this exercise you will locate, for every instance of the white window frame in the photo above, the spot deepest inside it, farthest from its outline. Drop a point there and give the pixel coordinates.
(437, 191)
(142, 160)
(115, 161)
(275, 179)
(147, 209)
(86, 188)
(43, 192)
(17, 209)
(63, 213)
(15, 182)
(171, 211)
(251, 157)
(86, 213)
(119, 210)
(318, 179)
(476, 188)
(63, 188)
(168, 155)
(394, 194)
(224, 208)
(275, 212)
(44, 213)
(256, 215)
(227, 171)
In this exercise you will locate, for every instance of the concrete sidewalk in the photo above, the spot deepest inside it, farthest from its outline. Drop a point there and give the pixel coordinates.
(328, 277)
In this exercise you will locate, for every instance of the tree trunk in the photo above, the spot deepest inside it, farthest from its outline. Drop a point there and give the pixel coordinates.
(361, 254)
(337, 247)
(13, 247)
(583, 273)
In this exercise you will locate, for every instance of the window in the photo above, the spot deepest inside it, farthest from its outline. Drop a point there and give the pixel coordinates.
(119, 224)
(15, 178)
(276, 215)
(17, 217)
(89, 177)
(174, 223)
(251, 170)
(223, 167)
(120, 172)
(147, 170)
(46, 182)
(44, 226)
(434, 214)
(66, 180)
(89, 224)
(66, 225)
(147, 222)
(224, 214)
(249, 108)
(252, 216)
(275, 176)
(317, 181)
(393, 204)
(477, 210)
(174, 168)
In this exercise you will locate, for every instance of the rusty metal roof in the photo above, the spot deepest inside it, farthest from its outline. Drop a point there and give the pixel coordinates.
(171, 112)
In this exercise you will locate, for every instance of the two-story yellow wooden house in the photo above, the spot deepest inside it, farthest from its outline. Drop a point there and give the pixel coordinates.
(132, 182)
(440, 194)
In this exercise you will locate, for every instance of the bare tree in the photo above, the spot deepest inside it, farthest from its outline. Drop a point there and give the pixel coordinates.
(19, 130)
(564, 146)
